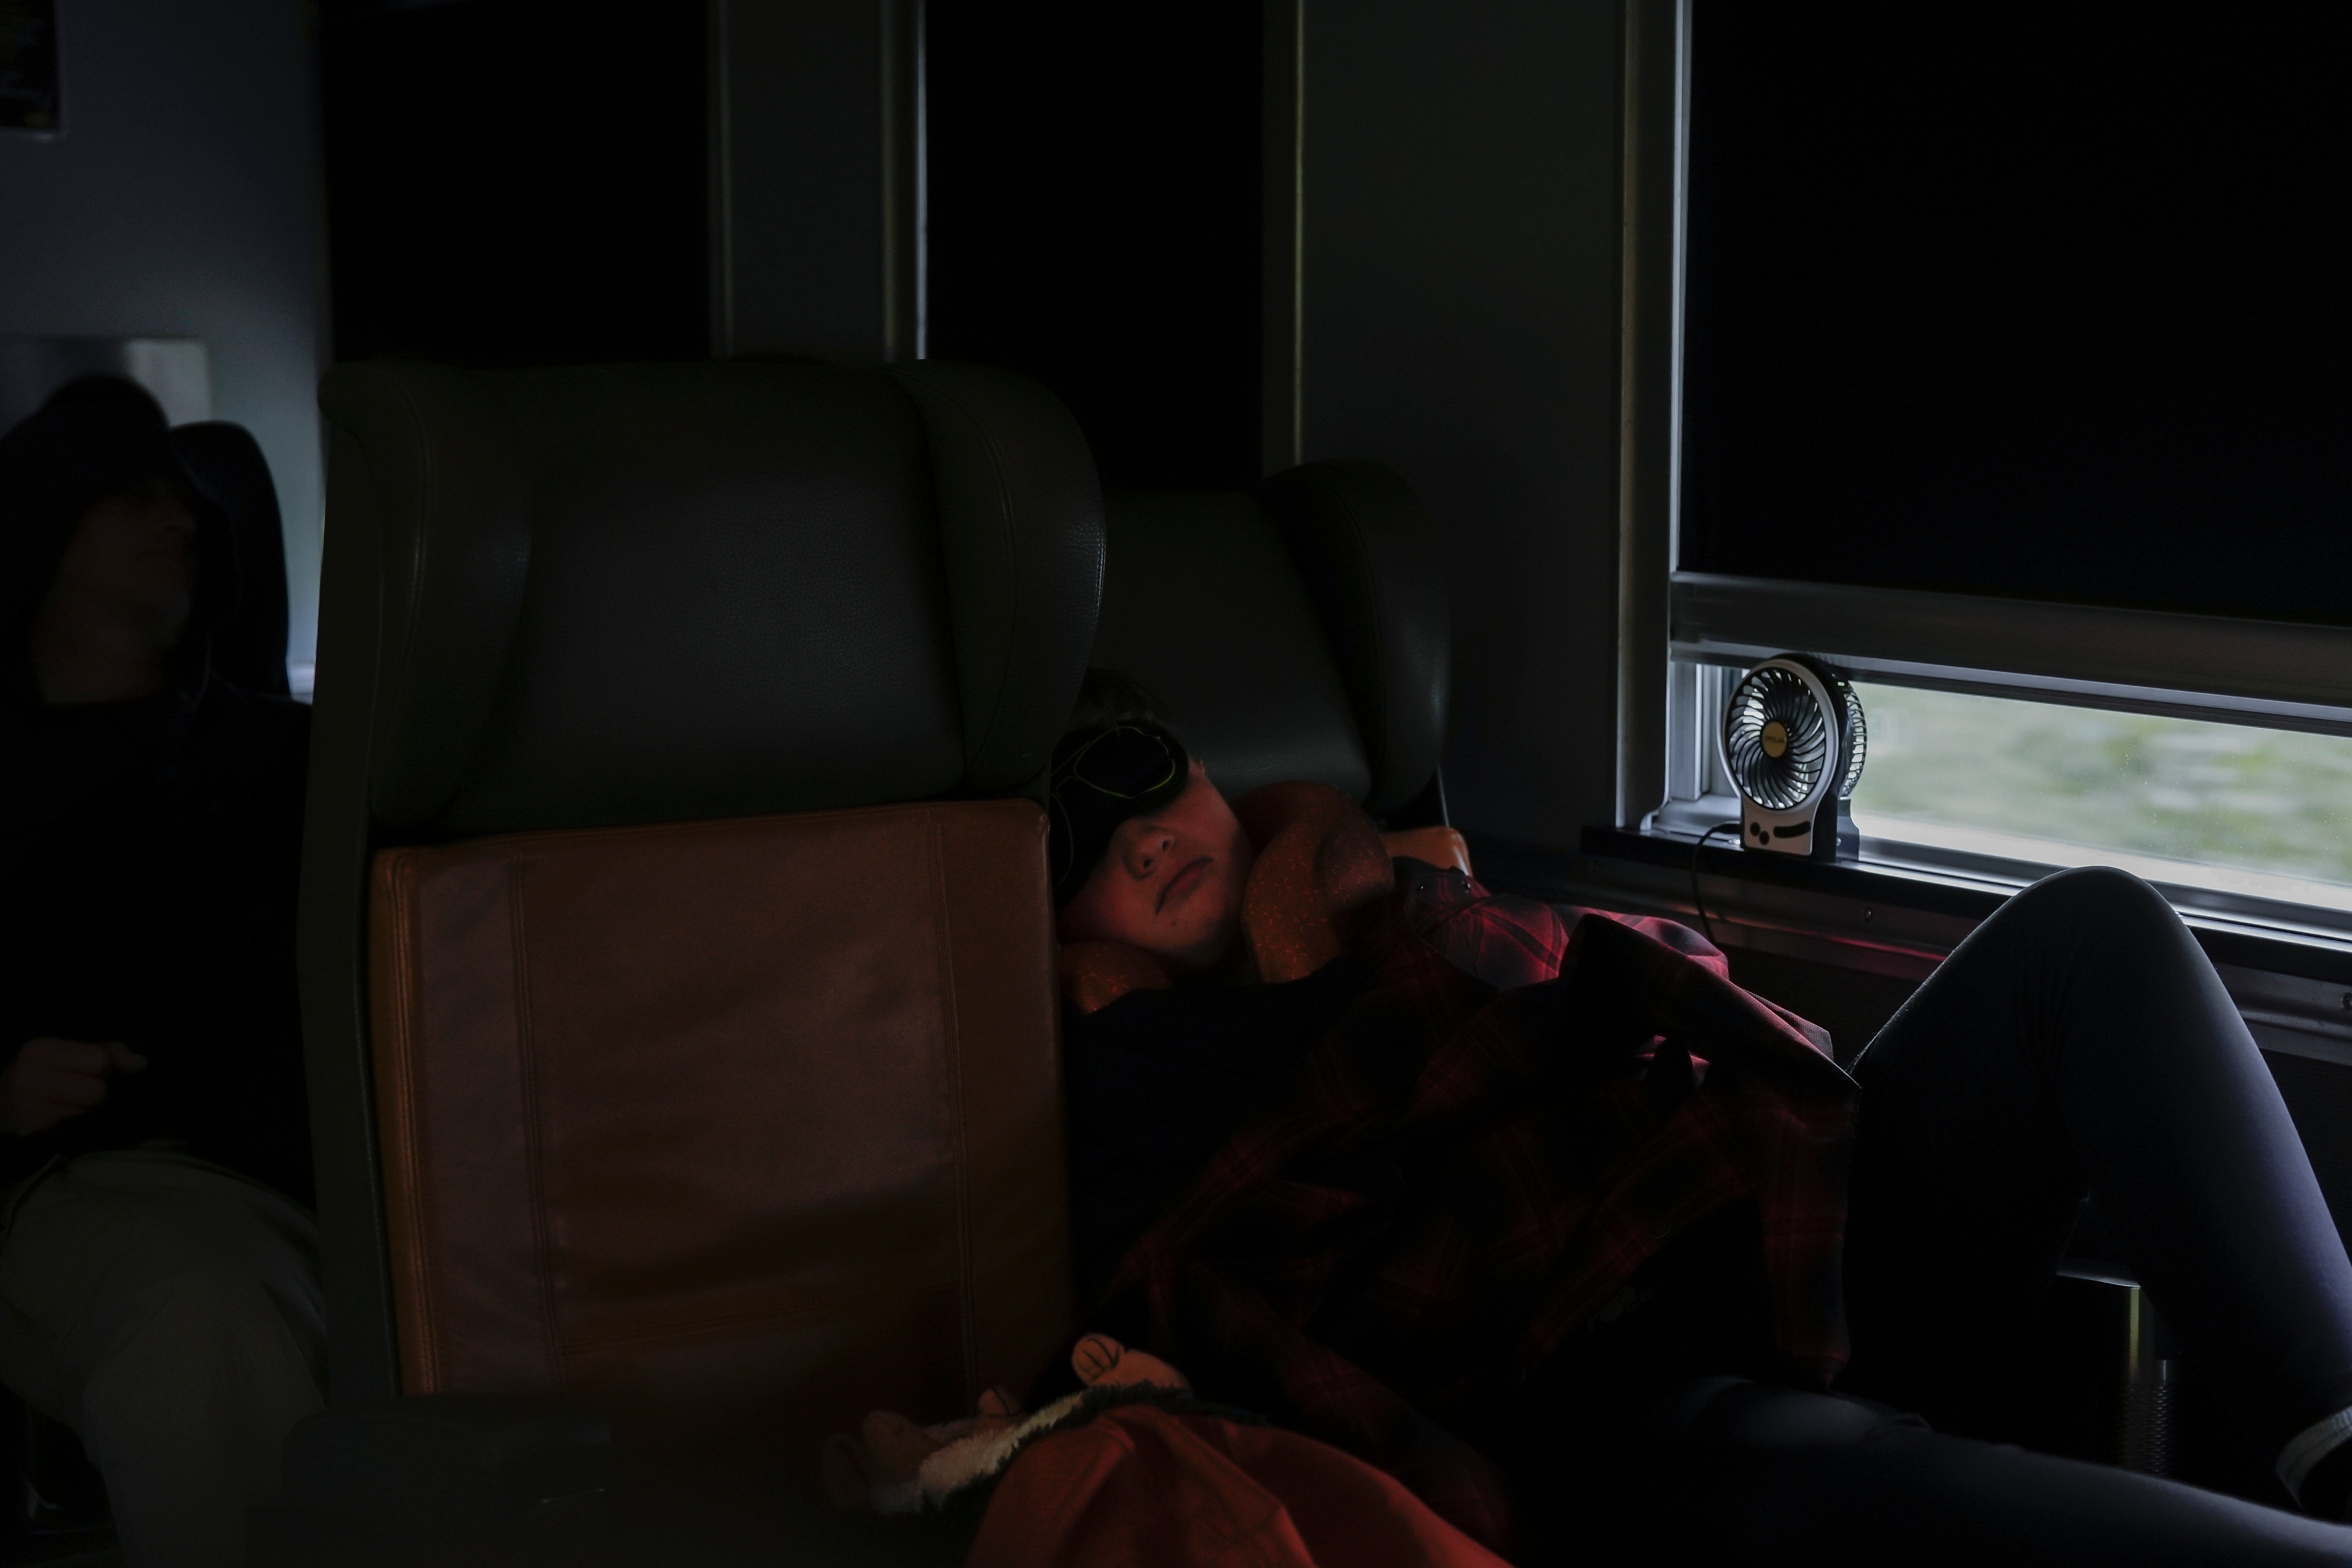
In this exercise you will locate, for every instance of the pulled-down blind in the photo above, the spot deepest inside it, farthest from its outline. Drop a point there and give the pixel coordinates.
(2047, 301)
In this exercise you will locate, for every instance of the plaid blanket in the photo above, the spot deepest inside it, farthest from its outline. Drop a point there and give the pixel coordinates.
(1519, 1109)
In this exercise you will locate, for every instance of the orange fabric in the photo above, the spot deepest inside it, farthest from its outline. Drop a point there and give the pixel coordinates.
(1320, 862)
(1141, 1487)
(1440, 847)
(1096, 973)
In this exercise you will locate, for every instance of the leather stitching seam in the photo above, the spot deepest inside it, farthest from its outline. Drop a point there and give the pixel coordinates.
(422, 1340)
(534, 1140)
(959, 1143)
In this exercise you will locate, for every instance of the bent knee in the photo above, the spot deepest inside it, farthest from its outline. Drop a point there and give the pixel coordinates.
(2101, 896)
(208, 1311)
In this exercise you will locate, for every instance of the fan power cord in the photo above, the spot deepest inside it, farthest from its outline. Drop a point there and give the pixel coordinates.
(1698, 903)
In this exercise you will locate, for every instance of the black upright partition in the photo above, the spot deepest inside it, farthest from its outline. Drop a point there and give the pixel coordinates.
(1094, 188)
(517, 181)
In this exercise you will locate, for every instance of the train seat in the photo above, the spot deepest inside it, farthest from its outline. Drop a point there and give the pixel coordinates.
(1297, 630)
(227, 461)
(679, 989)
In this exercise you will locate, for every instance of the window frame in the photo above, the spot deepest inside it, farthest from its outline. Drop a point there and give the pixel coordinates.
(1683, 635)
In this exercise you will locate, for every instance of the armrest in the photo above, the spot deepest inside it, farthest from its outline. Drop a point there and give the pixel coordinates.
(448, 1466)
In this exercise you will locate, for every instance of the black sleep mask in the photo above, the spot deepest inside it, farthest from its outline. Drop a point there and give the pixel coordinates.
(1102, 775)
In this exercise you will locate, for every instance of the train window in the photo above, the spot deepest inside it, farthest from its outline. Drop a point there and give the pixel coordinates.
(1966, 313)
(2265, 813)
(2012, 376)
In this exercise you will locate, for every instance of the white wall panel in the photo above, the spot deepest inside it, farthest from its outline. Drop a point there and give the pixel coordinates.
(184, 200)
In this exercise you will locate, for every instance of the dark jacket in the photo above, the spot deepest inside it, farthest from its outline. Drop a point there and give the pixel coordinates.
(148, 849)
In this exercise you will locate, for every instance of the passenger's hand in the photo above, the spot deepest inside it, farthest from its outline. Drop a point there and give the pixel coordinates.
(1102, 1362)
(52, 1079)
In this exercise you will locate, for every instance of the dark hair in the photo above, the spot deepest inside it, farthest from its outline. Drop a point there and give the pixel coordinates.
(94, 438)
(1108, 697)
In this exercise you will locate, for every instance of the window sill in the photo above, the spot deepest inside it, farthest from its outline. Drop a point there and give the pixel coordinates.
(1686, 822)
(1898, 909)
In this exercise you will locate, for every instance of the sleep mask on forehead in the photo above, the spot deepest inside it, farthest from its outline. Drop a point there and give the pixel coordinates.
(1102, 775)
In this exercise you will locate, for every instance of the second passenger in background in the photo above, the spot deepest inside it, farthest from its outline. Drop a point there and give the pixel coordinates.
(158, 1271)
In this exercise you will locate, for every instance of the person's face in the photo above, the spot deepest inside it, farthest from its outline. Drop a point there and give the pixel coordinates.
(1170, 883)
(131, 562)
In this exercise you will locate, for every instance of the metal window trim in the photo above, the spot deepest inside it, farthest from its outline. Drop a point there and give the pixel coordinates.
(2284, 675)
(1696, 692)
(1684, 820)
(1655, 97)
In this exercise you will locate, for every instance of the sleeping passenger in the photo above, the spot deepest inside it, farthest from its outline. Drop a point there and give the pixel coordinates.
(1599, 1254)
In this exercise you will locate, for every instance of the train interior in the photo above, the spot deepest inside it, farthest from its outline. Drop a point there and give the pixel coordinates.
(705, 445)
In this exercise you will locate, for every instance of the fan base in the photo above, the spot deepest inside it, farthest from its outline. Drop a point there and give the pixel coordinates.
(1827, 833)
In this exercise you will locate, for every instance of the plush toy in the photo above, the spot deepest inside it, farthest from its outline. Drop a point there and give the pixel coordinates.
(893, 1465)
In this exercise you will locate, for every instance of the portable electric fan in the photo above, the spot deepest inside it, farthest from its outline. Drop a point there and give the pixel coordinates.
(1793, 742)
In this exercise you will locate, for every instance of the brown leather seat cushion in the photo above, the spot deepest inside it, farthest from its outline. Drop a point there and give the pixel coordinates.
(732, 1130)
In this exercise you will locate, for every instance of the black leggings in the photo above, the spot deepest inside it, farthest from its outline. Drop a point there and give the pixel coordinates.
(2078, 1039)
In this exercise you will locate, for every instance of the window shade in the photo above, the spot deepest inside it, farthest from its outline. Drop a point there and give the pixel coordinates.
(2046, 301)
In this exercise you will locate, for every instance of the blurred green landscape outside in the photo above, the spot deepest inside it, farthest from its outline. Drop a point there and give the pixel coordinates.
(2275, 801)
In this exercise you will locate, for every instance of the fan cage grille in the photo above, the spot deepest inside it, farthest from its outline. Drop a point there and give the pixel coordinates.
(1770, 694)
(1857, 734)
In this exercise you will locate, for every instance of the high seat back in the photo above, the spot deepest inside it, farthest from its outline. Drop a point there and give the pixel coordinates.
(1297, 630)
(250, 650)
(681, 1031)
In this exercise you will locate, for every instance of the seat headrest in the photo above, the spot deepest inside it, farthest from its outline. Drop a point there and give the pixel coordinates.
(667, 592)
(1298, 632)
(227, 461)
(1371, 563)
(1202, 605)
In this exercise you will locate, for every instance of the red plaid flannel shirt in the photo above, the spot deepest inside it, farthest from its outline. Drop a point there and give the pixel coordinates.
(1519, 1108)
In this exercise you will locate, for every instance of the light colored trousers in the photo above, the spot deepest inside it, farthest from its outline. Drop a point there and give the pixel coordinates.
(169, 1312)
